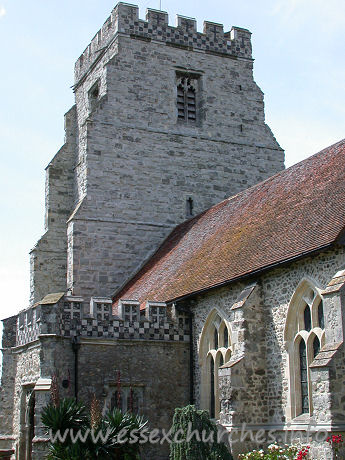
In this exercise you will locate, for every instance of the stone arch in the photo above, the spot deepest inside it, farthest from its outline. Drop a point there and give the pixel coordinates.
(302, 293)
(302, 324)
(227, 356)
(212, 347)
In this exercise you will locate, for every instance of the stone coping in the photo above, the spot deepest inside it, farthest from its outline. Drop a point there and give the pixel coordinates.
(325, 355)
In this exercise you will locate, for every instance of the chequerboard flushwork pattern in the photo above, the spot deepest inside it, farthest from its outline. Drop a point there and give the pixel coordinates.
(128, 325)
(73, 317)
(28, 326)
(124, 20)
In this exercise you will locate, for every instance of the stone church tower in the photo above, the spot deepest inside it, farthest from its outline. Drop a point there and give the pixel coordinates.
(167, 122)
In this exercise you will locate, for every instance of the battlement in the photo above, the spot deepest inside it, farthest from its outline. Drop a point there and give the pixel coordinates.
(124, 20)
(72, 316)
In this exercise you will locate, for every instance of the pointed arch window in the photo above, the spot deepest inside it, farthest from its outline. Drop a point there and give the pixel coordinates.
(187, 98)
(214, 351)
(316, 346)
(226, 337)
(304, 335)
(212, 392)
(320, 316)
(215, 338)
(304, 377)
(307, 318)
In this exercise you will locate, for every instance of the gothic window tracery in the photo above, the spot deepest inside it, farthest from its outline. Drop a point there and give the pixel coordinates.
(186, 99)
(214, 351)
(304, 336)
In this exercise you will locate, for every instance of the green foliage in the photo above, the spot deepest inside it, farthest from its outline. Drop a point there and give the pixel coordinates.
(60, 451)
(68, 414)
(113, 424)
(194, 437)
(99, 434)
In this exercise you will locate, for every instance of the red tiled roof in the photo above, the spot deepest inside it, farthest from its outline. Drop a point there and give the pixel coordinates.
(295, 212)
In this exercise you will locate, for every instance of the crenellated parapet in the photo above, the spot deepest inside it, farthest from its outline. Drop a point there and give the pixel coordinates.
(124, 20)
(28, 325)
(72, 316)
(128, 320)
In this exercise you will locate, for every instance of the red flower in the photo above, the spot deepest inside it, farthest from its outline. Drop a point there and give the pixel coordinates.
(302, 453)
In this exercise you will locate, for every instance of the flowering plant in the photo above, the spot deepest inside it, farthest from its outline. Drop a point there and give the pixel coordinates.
(276, 452)
(303, 453)
(335, 441)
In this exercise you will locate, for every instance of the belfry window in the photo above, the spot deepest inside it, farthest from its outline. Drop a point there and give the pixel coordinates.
(304, 335)
(186, 99)
(94, 96)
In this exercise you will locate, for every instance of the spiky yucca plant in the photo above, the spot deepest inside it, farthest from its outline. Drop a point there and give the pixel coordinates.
(69, 414)
(113, 424)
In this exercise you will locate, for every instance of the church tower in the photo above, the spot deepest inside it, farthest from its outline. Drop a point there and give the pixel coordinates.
(167, 122)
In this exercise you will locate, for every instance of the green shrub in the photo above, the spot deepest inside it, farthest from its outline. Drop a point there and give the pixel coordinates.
(203, 444)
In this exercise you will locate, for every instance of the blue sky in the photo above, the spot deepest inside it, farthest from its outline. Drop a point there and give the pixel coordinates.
(299, 51)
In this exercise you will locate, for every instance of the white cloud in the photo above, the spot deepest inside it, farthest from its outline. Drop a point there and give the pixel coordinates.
(2, 11)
